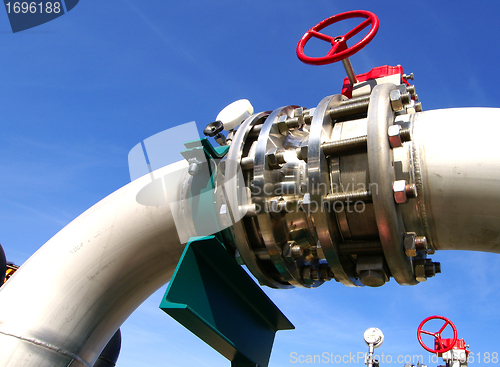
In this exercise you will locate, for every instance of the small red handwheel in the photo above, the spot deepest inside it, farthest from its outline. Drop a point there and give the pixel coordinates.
(339, 50)
(437, 335)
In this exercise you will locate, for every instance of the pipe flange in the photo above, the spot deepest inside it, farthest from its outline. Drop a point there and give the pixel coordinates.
(380, 162)
(318, 185)
(262, 270)
(272, 203)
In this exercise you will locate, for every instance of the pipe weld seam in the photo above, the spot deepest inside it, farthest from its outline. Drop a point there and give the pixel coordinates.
(49, 346)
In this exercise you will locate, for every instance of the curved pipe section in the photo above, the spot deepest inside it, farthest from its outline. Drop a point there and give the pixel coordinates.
(105, 264)
(117, 253)
(460, 167)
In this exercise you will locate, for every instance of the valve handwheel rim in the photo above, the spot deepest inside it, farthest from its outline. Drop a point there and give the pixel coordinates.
(437, 335)
(339, 49)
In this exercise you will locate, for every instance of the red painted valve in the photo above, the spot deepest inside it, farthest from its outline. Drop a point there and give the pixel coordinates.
(339, 49)
(439, 346)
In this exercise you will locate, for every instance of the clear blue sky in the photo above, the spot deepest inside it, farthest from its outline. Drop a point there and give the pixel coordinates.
(77, 93)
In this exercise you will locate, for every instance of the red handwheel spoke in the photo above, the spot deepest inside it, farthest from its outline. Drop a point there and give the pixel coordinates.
(321, 36)
(333, 49)
(428, 333)
(357, 29)
(442, 329)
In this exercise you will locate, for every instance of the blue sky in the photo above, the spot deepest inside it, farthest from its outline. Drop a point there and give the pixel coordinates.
(79, 92)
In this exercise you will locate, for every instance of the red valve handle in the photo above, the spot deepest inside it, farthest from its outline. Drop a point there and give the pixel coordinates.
(437, 335)
(339, 50)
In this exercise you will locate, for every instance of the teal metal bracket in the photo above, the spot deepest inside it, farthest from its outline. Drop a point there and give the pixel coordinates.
(203, 209)
(213, 297)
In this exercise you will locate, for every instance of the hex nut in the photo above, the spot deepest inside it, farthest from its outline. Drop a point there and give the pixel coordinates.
(282, 126)
(326, 273)
(419, 268)
(299, 111)
(315, 274)
(306, 275)
(272, 159)
(432, 268)
(396, 102)
(273, 206)
(303, 152)
(297, 250)
(409, 243)
(405, 95)
(394, 133)
(399, 188)
(288, 252)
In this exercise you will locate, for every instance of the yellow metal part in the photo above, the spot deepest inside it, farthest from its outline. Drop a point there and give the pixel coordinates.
(11, 269)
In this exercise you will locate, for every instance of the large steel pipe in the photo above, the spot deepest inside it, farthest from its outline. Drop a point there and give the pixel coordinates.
(68, 299)
(459, 162)
(71, 296)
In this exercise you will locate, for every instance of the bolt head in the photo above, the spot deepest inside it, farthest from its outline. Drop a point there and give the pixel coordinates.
(394, 133)
(372, 278)
(421, 243)
(194, 166)
(399, 188)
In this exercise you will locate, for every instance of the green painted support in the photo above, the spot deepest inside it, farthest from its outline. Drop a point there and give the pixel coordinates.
(213, 297)
(205, 218)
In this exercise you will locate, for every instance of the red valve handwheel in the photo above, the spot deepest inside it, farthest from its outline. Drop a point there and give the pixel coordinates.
(339, 50)
(437, 335)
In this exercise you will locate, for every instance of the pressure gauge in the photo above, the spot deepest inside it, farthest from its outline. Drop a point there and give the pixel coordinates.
(374, 336)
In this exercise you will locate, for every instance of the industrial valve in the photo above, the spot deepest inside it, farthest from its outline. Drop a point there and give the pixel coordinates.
(454, 351)
(335, 191)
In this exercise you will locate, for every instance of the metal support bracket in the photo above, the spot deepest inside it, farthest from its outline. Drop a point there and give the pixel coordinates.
(213, 297)
(203, 157)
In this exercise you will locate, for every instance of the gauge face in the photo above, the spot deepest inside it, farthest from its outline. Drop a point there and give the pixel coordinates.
(374, 336)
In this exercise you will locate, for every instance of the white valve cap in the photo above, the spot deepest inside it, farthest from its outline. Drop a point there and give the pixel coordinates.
(235, 113)
(374, 336)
